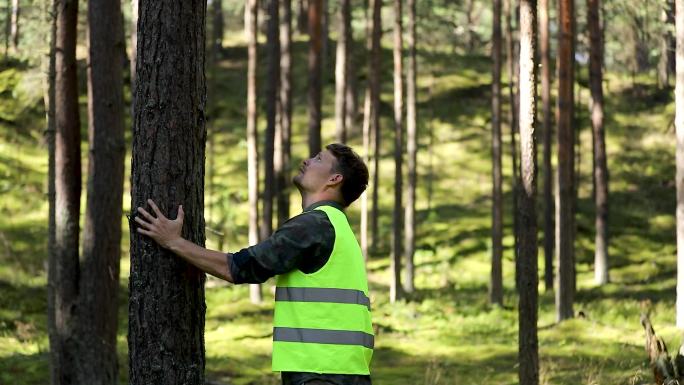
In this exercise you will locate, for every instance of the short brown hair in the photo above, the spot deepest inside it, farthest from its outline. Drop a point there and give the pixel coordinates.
(353, 169)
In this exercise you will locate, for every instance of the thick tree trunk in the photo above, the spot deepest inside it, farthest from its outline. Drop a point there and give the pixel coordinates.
(315, 84)
(397, 214)
(600, 163)
(679, 177)
(528, 355)
(285, 116)
(496, 284)
(99, 283)
(508, 10)
(251, 31)
(375, 114)
(166, 308)
(63, 280)
(411, 152)
(565, 191)
(14, 29)
(217, 25)
(341, 71)
(549, 232)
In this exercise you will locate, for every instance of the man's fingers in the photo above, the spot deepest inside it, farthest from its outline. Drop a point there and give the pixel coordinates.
(155, 208)
(144, 232)
(145, 214)
(181, 214)
(142, 222)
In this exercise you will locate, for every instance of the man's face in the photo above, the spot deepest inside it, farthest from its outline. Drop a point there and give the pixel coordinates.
(315, 173)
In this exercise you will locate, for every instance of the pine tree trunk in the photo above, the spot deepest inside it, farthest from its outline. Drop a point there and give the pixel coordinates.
(315, 84)
(217, 25)
(15, 25)
(285, 116)
(565, 191)
(166, 308)
(375, 114)
(679, 178)
(251, 31)
(528, 355)
(341, 74)
(302, 17)
(549, 232)
(600, 163)
(63, 280)
(411, 152)
(99, 280)
(397, 214)
(366, 125)
(496, 285)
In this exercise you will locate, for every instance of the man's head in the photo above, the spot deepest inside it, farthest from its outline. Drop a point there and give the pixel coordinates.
(336, 173)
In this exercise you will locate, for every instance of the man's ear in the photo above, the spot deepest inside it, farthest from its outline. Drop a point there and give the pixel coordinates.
(335, 179)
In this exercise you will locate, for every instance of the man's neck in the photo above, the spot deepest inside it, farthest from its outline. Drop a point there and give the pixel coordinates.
(310, 200)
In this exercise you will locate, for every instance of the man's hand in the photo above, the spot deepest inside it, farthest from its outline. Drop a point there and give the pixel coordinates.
(164, 231)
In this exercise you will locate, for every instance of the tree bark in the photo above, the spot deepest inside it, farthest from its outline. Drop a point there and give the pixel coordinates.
(411, 152)
(666, 61)
(99, 280)
(166, 308)
(397, 214)
(251, 31)
(63, 280)
(314, 95)
(341, 71)
(679, 177)
(375, 114)
(565, 191)
(600, 164)
(528, 355)
(549, 232)
(496, 284)
(14, 32)
(285, 116)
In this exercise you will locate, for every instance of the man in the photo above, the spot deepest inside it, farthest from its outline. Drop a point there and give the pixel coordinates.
(322, 332)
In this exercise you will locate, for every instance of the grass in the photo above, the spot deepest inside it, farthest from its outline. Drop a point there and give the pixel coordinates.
(448, 334)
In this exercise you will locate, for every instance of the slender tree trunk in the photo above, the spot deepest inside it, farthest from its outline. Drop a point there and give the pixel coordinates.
(99, 283)
(366, 126)
(565, 191)
(513, 124)
(351, 102)
(285, 116)
(325, 36)
(411, 152)
(679, 178)
(549, 232)
(600, 164)
(166, 305)
(470, 25)
(134, 49)
(528, 356)
(397, 214)
(8, 27)
(217, 25)
(315, 85)
(375, 115)
(341, 74)
(251, 31)
(63, 282)
(15, 25)
(302, 17)
(496, 284)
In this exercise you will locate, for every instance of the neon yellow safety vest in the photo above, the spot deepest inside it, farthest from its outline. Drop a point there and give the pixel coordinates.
(322, 321)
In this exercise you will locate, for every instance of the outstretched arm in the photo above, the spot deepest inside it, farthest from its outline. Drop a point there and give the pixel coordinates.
(167, 233)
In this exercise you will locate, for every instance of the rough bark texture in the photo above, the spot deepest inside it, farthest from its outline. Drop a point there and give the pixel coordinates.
(528, 355)
(315, 84)
(251, 31)
(600, 163)
(341, 71)
(679, 177)
(565, 191)
(99, 285)
(375, 113)
(64, 275)
(397, 214)
(411, 153)
(496, 280)
(549, 232)
(282, 161)
(166, 308)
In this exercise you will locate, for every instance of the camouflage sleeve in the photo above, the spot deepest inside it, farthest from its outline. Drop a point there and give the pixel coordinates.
(302, 242)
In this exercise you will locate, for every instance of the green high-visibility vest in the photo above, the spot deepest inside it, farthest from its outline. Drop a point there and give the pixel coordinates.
(322, 321)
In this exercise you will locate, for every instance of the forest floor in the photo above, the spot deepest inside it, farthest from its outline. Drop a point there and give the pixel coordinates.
(448, 333)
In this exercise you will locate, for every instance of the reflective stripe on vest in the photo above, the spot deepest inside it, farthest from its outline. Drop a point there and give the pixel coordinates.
(321, 336)
(319, 294)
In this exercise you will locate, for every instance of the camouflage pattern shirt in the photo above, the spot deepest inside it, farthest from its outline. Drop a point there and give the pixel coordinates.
(304, 242)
